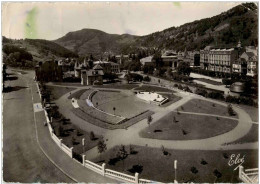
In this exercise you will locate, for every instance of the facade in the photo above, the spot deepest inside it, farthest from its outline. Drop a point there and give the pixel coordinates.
(192, 57)
(78, 67)
(218, 60)
(92, 77)
(169, 58)
(121, 59)
(240, 66)
(107, 68)
(115, 67)
(48, 71)
(251, 60)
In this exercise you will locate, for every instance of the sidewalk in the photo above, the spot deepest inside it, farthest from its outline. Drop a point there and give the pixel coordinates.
(70, 167)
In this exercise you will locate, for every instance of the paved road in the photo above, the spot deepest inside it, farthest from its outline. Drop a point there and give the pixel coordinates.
(23, 160)
(57, 166)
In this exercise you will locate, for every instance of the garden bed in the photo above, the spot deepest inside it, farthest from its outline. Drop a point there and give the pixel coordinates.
(153, 164)
(182, 126)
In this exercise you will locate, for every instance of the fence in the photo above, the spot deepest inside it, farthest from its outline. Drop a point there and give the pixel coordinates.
(248, 175)
(58, 141)
(113, 174)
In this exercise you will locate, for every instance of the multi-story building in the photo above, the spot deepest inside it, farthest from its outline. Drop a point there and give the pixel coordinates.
(251, 60)
(115, 67)
(218, 60)
(92, 76)
(240, 66)
(192, 57)
(121, 59)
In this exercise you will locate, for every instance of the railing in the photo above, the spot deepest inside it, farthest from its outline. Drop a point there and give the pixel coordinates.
(93, 166)
(144, 181)
(248, 175)
(121, 176)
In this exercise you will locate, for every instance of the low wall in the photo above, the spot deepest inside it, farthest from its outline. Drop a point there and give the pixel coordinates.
(113, 174)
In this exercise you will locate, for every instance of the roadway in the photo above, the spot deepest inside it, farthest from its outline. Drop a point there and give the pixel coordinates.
(29, 153)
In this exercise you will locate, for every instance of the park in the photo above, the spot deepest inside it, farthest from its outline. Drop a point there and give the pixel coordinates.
(133, 134)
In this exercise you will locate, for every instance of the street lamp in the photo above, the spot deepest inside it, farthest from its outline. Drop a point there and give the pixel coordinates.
(175, 173)
(83, 144)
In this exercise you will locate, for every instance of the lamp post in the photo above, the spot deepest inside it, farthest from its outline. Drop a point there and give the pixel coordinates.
(83, 144)
(175, 173)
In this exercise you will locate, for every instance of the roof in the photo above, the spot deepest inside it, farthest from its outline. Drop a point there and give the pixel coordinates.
(146, 59)
(100, 62)
(97, 67)
(112, 63)
(237, 87)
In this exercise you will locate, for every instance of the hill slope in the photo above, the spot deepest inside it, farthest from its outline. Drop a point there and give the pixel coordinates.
(223, 30)
(39, 49)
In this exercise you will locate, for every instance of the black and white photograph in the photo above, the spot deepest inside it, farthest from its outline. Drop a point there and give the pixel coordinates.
(130, 92)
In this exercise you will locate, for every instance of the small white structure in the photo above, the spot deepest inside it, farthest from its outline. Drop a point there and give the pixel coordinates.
(152, 97)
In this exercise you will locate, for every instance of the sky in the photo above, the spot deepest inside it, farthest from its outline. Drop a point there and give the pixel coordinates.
(52, 20)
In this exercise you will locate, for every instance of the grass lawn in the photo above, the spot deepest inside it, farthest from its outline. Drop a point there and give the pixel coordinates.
(252, 111)
(118, 86)
(209, 81)
(153, 88)
(70, 131)
(68, 83)
(187, 127)
(78, 112)
(203, 106)
(108, 100)
(152, 164)
(77, 94)
(57, 92)
(251, 136)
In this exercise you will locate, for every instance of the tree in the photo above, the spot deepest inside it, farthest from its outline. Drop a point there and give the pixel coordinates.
(102, 147)
(158, 60)
(122, 153)
(149, 120)
(92, 136)
(114, 109)
(230, 110)
(147, 79)
(184, 68)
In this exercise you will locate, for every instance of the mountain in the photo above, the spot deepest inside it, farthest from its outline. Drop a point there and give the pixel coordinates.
(223, 30)
(92, 41)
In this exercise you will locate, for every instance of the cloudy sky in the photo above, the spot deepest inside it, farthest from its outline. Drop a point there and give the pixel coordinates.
(45, 20)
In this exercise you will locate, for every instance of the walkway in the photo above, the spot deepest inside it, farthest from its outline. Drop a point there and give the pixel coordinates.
(131, 135)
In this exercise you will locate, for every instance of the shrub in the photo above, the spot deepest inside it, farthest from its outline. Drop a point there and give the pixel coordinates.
(147, 79)
(217, 173)
(92, 136)
(230, 110)
(194, 170)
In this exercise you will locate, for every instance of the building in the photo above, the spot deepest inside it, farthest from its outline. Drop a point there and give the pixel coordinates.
(218, 60)
(122, 59)
(192, 57)
(92, 76)
(147, 61)
(115, 67)
(169, 58)
(78, 67)
(107, 68)
(240, 66)
(48, 71)
(251, 60)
